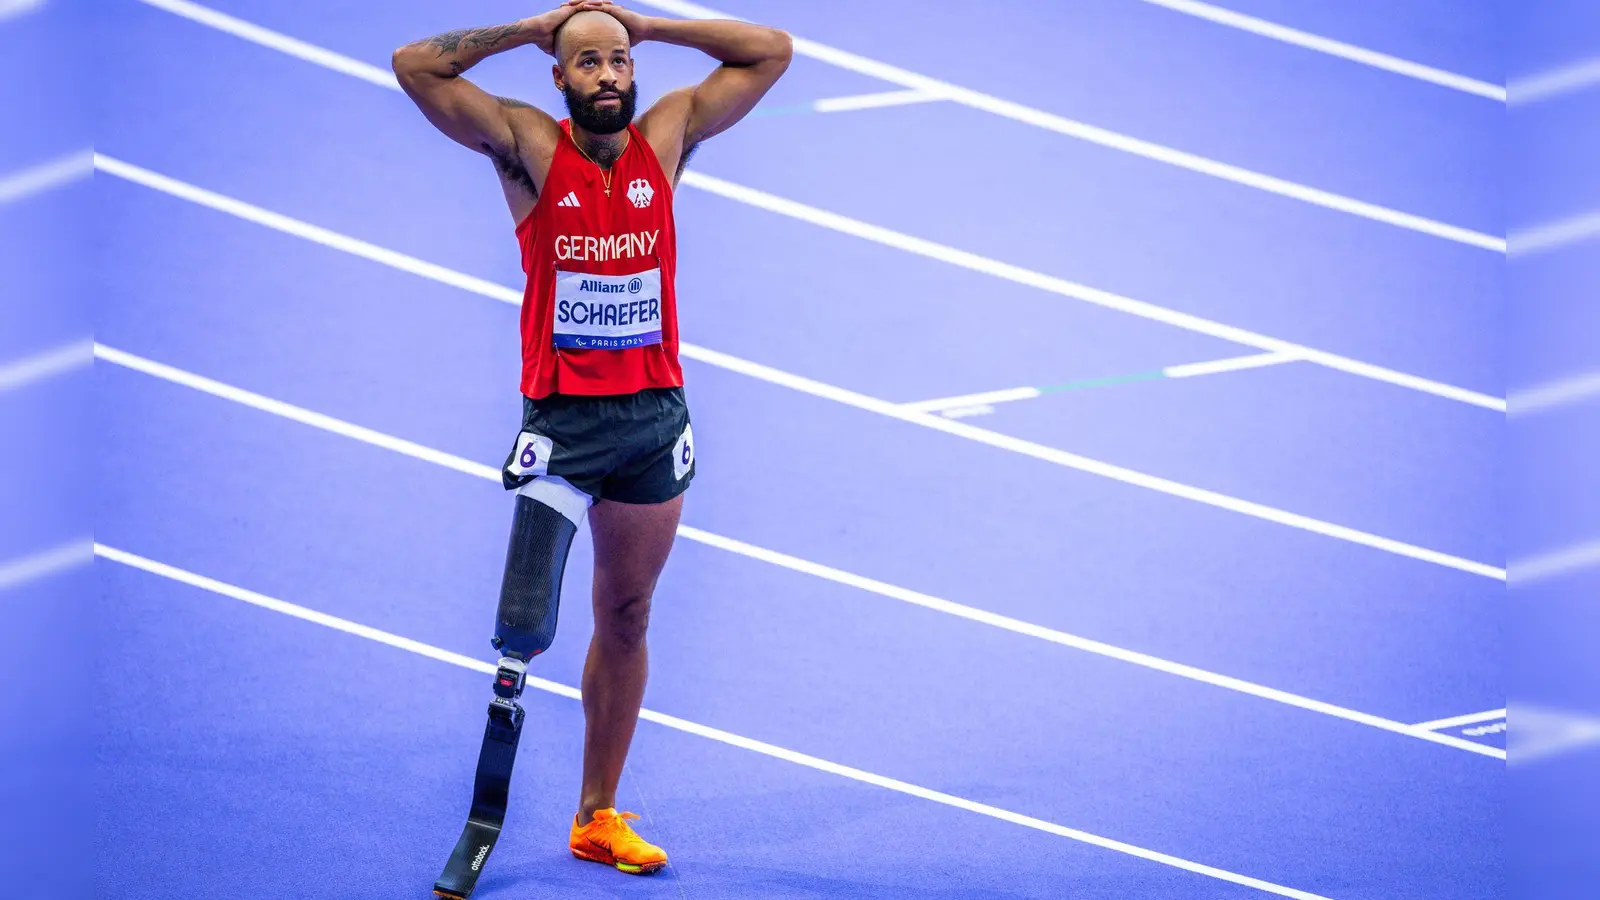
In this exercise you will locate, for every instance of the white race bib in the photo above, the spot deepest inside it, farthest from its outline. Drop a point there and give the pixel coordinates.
(530, 457)
(607, 312)
(683, 454)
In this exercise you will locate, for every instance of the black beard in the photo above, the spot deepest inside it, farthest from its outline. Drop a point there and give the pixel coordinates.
(591, 118)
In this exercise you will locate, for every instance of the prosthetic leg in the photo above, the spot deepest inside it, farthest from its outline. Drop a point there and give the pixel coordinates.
(547, 517)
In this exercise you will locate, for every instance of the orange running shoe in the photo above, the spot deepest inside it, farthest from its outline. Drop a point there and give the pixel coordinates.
(610, 840)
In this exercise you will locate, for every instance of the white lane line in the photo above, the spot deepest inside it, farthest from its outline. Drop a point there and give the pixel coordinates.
(1527, 570)
(1332, 47)
(874, 101)
(1236, 364)
(981, 403)
(1555, 394)
(810, 386)
(306, 614)
(10, 9)
(1456, 721)
(1087, 645)
(266, 37)
(987, 398)
(1111, 139)
(45, 563)
(409, 645)
(1554, 235)
(1096, 467)
(23, 372)
(1065, 288)
(46, 176)
(1540, 732)
(316, 234)
(963, 412)
(417, 451)
(1540, 86)
(293, 413)
(887, 237)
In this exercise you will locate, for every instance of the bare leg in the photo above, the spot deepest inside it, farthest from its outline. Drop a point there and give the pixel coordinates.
(631, 543)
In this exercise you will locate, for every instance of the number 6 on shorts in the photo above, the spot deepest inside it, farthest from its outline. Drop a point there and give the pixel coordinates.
(683, 454)
(530, 457)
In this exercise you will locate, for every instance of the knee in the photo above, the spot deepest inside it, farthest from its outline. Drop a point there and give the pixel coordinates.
(622, 622)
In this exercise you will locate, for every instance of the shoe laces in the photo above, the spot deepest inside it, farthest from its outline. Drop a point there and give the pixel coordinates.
(616, 828)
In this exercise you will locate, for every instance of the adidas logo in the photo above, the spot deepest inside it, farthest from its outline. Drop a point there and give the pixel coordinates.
(571, 199)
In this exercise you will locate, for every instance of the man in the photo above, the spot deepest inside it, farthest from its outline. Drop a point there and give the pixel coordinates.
(605, 430)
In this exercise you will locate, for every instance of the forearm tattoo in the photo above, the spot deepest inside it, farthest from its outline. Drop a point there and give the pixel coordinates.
(474, 38)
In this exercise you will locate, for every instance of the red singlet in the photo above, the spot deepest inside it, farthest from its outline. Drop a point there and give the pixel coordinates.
(600, 313)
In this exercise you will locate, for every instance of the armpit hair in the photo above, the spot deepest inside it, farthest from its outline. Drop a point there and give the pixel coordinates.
(511, 169)
(506, 162)
(683, 161)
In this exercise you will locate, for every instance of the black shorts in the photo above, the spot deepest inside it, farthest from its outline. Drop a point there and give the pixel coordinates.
(632, 448)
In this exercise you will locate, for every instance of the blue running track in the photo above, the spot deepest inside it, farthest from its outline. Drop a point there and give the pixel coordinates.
(1139, 637)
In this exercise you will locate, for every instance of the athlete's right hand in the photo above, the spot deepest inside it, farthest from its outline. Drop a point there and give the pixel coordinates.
(545, 26)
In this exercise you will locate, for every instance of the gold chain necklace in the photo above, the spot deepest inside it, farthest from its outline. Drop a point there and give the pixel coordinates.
(605, 174)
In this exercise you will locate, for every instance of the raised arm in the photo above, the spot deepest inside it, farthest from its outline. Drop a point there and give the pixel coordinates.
(753, 57)
(430, 70)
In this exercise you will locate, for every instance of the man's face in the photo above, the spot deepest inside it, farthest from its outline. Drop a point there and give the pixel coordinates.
(595, 74)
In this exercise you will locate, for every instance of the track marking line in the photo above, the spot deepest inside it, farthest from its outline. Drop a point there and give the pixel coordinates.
(15, 186)
(1540, 86)
(1350, 52)
(1554, 235)
(1541, 732)
(1084, 293)
(174, 187)
(875, 101)
(1468, 719)
(306, 614)
(417, 451)
(851, 103)
(278, 41)
(1554, 394)
(74, 553)
(965, 412)
(47, 364)
(263, 403)
(979, 404)
(10, 9)
(300, 229)
(986, 398)
(976, 263)
(800, 383)
(1113, 140)
(1527, 570)
(1236, 364)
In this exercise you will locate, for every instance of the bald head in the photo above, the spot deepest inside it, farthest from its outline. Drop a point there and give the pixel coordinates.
(590, 30)
(594, 71)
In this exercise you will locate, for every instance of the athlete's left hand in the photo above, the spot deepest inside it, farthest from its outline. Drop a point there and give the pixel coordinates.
(638, 25)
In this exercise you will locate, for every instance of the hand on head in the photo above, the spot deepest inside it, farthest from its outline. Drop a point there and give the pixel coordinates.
(637, 26)
(551, 22)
